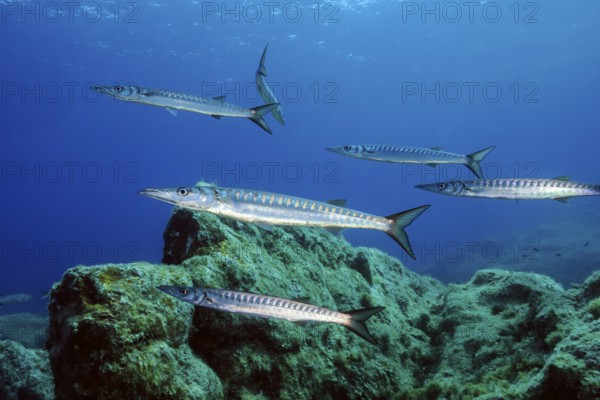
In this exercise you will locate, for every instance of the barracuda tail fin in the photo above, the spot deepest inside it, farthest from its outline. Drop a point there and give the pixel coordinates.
(261, 66)
(475, 158)
(258, 113)
(357, 323)
(401, 221)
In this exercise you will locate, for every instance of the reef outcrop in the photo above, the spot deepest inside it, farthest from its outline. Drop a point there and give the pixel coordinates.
(501, 335)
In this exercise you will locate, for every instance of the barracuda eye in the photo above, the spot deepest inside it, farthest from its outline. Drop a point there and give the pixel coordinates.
(118, 88)
(183, 192)
(347, 148)
(442, 186)
(183, 291)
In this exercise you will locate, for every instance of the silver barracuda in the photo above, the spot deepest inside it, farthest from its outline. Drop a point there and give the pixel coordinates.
(561, 188)
(14, 298)
(266, 209)
(265, 91)
(258, 305)
(414, 155)
(173, 102)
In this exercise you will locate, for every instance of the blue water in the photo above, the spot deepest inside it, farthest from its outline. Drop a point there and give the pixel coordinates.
(345, 73)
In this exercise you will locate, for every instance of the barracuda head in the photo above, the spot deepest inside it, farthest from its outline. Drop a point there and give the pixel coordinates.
(195, 198)
(452, 188)
(126, 93)
(183, 293)
(348, 150)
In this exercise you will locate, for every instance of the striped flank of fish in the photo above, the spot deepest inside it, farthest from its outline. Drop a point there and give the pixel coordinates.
(263, 306)
(561, 188)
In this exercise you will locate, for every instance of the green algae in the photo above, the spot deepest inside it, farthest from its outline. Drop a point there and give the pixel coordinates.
(501, 335)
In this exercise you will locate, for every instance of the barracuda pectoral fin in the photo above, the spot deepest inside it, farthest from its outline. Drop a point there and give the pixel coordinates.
(432, 165)
(475, 158)
(335, 231)
(258, 113)
(265, 227)
(216, 116)
(563, 199)
(357, 322)
(401, 221)
(219, 98)
(172, 111)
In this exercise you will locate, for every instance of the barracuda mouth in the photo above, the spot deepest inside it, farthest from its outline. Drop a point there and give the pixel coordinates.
(428, 186)
(158, 194)
(101, 89)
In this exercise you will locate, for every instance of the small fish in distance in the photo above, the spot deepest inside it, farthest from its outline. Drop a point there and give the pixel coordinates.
(258, 305)
(172, 102)
(413, 155)
(267, 209)
(14, 298)
(560, 189)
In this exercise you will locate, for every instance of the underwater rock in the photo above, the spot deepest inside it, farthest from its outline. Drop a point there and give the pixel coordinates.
(501, 335)
(181, 232)
(572, 371)
(28, 329)
(114, 336)
(25, 374)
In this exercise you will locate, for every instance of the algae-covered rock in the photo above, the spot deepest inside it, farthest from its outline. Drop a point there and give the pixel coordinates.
(114, 336)
(573, 370)
(25, 374)
(501, 335)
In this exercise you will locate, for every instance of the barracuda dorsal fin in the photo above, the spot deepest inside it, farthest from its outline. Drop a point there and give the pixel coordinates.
(437, 148)
(219, 98)
(305, 300)
(337, 202)
(565, 178)
(172, 111)
(563, 199)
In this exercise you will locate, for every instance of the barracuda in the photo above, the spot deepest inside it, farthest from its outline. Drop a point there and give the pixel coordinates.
(265, 91)
(14, 298)
(413, 155)
(172, 101)
(268, 209)
(561, 188)
(272, 307)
